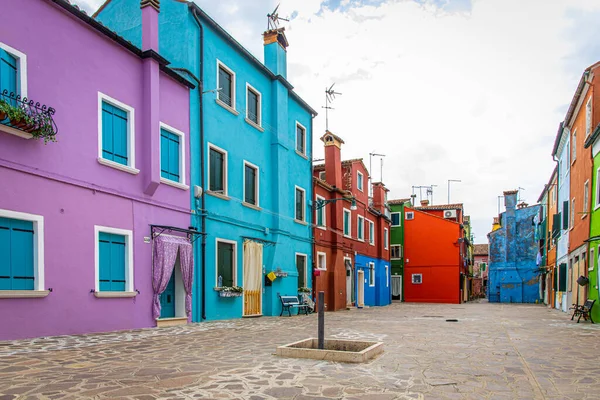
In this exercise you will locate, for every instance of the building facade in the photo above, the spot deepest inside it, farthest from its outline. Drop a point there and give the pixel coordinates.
(252, 138)
(397, 207)
(352, 249)
(480, 270)
(547, 248)
(77, 221)
(513, 249)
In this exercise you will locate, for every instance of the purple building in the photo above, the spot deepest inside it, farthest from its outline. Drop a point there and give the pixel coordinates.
(76, 242)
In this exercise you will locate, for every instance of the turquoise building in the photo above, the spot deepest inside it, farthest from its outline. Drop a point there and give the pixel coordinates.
(251, 151)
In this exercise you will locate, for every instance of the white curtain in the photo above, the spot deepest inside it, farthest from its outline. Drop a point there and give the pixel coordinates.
(253, 260)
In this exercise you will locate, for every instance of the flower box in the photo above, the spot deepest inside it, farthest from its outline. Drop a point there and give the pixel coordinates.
(223, 293)
(24, 118)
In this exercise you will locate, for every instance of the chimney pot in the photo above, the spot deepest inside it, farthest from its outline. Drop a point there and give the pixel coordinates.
(424, 203)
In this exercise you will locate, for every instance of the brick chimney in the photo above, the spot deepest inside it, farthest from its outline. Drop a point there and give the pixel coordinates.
(379, 196)
(275, 50)
(333, 159)
(424, 203)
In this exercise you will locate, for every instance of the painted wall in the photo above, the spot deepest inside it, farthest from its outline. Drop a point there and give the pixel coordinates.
(563, 154)
(397, 237)
(594, 246)
(378, 294)
(431, 249)
(63, 181)
(271, 148)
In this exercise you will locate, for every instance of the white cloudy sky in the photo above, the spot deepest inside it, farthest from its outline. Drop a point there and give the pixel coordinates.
(446, 89)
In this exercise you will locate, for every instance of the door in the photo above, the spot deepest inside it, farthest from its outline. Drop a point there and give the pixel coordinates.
(167, 299)
(348, 284)
(360, 285)
(253, 260)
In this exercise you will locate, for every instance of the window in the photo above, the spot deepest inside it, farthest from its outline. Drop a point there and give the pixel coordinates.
(574, 146)
(321, 260)
(116, 134)
(322, 175)
(387, 276)
(13, 71)
(226, 84)
(21, 251)
(360, 228)
(371, 274)
(372, 233)
(395, 219)
(572, 213)
(565, 215)
(586, 198)
(251, 184)
(253, 105)
(568, 155)
(359, 181)
(385, 238)
(217, 170)
(300, 139)
(301, 267)
(114, 260)
(172, 155)
(226, 263)
(410, 215)
(417, 279)
(347, 222)
(300, 204)
(597, 200)
(396, 252)
(588, 117)
(320, 214)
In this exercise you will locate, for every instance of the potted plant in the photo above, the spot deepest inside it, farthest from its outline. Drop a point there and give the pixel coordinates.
(304, 290)
(3, 109)
(231, 291)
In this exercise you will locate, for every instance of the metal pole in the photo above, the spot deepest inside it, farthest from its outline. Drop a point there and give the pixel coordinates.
(321, 308)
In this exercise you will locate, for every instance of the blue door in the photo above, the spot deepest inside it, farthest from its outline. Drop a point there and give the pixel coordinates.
(167, 299)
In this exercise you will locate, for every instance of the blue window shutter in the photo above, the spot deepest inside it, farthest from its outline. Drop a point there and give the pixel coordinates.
(164, 154)
(169, 155)
(8, 72)
(107, 131)
(117, 263)
(22, 255)
(104, 267)
(5, 247)
(174, 157)
(120, 135)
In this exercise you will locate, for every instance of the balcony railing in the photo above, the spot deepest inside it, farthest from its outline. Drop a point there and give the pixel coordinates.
(26, 118)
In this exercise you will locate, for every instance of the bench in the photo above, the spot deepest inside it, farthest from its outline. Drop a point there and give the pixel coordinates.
(584, 311)
(289, 302)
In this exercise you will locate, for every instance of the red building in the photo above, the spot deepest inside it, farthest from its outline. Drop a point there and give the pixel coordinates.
(435, 253)
(351, 232)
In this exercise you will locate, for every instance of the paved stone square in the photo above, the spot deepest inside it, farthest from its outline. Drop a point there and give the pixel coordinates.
(494, 351)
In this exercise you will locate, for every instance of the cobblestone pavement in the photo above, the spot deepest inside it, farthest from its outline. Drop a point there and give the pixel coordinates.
(493, 352)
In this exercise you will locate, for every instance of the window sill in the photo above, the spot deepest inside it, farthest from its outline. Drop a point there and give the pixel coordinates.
(348, 236)
(254, 124)
(118, 166)
(178, 185)
(300, 222)
(361, 240)
(15, 132)
(583, 216)
(23, 294)
(252, 206)
(227, 107)
(302, 155)
(114, 295)
(323, 228)
(372, 244)
(218, 195)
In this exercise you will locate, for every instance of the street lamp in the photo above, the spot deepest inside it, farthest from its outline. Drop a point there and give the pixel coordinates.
(322, 203)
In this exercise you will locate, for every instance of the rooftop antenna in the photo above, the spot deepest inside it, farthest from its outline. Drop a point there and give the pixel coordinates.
(329, 97)
(274, 18)
(519, 193)
(371, 155)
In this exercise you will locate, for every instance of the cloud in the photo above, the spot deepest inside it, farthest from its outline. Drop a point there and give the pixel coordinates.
(447, 89)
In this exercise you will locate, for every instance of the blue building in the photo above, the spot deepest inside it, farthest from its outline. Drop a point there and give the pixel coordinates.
(374, 274)
(251, 146)
(513, 271)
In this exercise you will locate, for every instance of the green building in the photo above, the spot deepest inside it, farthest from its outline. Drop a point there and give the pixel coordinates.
(593, 287)
(397, 246)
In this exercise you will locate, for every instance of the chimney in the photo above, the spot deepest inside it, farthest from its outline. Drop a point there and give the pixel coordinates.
(510, 199)
(424, 203)
(276, 45)
(333, 159)
(496, 220)
(379, 197)
(150, 10)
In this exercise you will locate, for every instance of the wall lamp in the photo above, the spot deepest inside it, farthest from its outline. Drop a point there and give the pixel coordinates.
(322, 203)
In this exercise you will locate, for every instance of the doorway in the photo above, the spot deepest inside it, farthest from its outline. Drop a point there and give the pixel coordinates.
(349, 289)
(253, 261)
(167, 299)
(360, 285)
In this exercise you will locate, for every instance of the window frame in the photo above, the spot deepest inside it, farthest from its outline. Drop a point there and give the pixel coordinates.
(371, 274)
(392, 251)
(305, 256)
(361, 180)
(597, 191)
(319, 254)
(222, 65)
(586, 198)
(345, 210)
(572, 216)
(182, 183)
(21, 67)
(371, 232)
(296, 189)
(38, 247)
(256, 183)
(574, 146)
(129, 266)
(360, 230)
(130, 167)
(588, 117)
(412, 279)
(225, 168)
(399, 219)
(386, 238)
(234, 258)
(320, 211)
(304, 153)
(258, 124)
(387, 276)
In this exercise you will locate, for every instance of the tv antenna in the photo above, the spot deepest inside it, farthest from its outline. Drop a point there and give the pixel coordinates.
(274, 18)
(329, 97)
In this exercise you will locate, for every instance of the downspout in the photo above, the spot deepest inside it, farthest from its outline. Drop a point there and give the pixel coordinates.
(312, 230)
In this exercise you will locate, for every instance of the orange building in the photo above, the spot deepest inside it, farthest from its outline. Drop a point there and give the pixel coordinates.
(435, 252)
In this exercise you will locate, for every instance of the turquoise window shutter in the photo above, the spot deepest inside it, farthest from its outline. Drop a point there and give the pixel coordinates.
(114, 134)
(169, 155)
(216, 171)
(104, 267)
(8, 72)
(107, 131)
(112, 262)
(16, 255)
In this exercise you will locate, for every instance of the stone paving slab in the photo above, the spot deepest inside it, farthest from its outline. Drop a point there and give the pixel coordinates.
(494, 351)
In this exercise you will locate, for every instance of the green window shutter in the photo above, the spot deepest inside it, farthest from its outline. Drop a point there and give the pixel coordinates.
(300, 133)
(346, 223)
(301, 267)
(565, 215)
(320, 212)
(226, 92)
(252, 106)
(299, 205)
(216, 171)
(225, 263)
(8, 73)
(556, 220)
(249, 185)
(562, 278)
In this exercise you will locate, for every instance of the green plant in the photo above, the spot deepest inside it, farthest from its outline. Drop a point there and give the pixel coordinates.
(304, 290)
(38, 126)
(235, 289)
